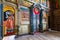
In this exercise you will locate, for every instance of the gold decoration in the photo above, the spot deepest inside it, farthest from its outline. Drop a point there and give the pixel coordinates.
(7, 7)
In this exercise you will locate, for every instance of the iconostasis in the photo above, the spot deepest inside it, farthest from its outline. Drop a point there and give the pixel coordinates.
(9, 18)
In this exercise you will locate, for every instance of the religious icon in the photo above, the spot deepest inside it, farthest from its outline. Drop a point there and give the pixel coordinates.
(24, 15)
(8, 22)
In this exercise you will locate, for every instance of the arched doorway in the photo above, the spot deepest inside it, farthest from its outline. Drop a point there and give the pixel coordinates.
(34, 19)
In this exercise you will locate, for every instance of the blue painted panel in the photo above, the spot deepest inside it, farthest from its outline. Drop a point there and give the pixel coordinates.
(31, 20)
(0, 31)
(0, 14)
(34, 22)
(40, 19)
(24, 9)
(1, 22)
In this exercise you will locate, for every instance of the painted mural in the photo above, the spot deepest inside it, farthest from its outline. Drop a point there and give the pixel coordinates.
(9, 17)
(24, 20)
(24, 15)
(8, 20)
(44, 20)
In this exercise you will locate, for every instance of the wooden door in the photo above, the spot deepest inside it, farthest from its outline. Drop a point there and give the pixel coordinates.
(57, 20)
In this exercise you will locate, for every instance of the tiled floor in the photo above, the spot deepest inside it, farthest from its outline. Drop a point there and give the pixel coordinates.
(41, 36)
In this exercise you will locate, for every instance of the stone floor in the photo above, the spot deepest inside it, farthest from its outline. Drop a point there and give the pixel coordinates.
(41, 36)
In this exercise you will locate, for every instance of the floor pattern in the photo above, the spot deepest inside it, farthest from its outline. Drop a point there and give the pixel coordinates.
(41, 36)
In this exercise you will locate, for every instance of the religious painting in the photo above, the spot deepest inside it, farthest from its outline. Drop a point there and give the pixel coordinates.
(24, 15)
(44, 20)
(9, 20)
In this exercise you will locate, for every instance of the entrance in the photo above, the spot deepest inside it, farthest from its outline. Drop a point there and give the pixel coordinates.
(36, 13)
(34, 19)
